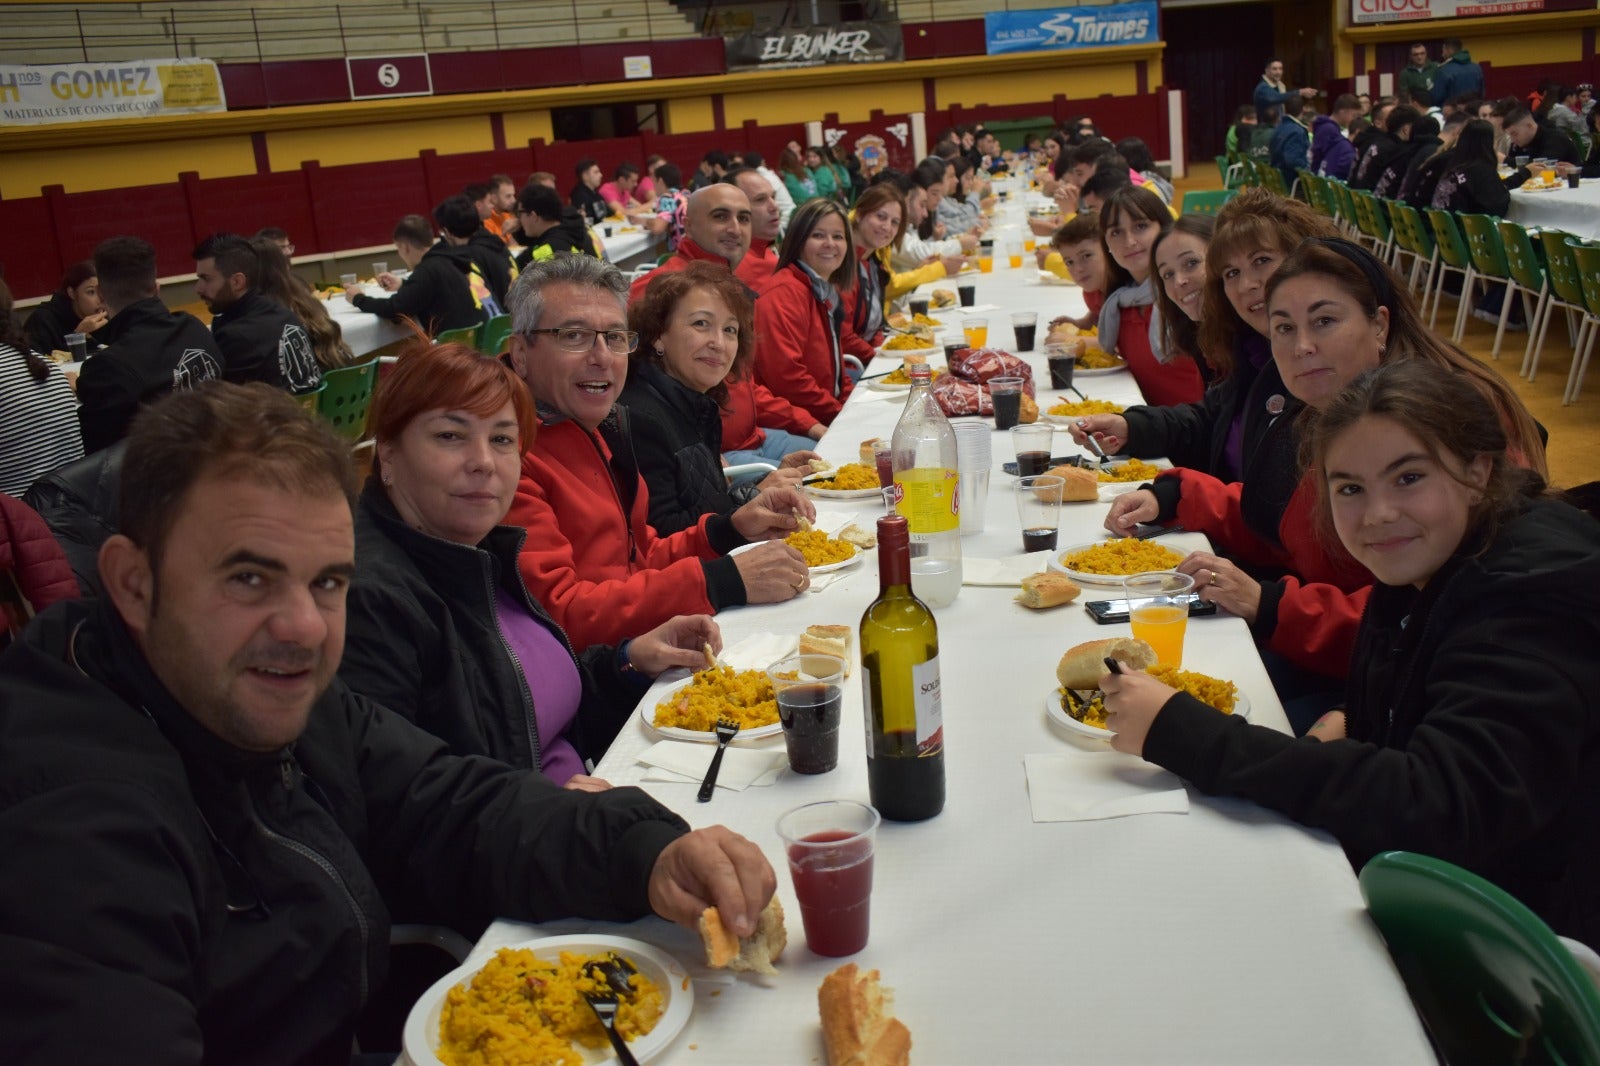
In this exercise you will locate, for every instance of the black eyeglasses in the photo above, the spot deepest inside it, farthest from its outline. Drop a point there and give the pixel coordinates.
(579, 339)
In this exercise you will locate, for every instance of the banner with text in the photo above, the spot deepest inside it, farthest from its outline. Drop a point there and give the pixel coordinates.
(1368, 11)
(815, 46)
(39, 94)
(1050, 29)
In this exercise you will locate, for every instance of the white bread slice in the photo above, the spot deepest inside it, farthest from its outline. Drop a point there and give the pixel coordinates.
(829, 640)
(1082, 667)
(1048, 589)
(756, 952)
(856, 1026)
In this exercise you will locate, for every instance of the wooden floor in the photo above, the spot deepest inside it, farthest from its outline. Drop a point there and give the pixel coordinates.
(1574, 449)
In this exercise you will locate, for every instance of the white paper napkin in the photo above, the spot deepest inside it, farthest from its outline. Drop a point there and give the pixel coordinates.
(1082, 786)
(759, 651)
(742, 768)
(1011, 571)
(975, 309)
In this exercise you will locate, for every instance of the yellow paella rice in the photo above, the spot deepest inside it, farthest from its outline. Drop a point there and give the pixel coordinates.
(1086, 407)
(1089, 710)
(521, 1009)
(746, 696)
(1125, 555)
(850, 476)
(909, 342)
(819, 548)
(1132, 470)
(1095, 359)
(1208, 690)
(926, 320)
(901, 376)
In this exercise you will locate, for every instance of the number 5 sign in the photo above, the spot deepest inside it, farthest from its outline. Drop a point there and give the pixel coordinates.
(373, 76)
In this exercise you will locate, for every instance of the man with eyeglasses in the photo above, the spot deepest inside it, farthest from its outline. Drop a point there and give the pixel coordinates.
(717, 224)
(591, 557)
(1417, 76)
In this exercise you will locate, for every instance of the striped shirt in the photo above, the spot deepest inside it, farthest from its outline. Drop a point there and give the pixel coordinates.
(38, 422)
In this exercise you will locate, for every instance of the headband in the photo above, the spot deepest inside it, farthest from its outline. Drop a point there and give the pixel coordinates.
(1377, 276)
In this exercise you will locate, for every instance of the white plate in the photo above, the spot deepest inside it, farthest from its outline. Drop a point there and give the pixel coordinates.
(1058, 714)
(1100, 372)
(844, 494)
(879, 385)
(647, 714)
(828, 568)
(1045, 277)
(421, 1035)
(1091, 579)
(902, 353)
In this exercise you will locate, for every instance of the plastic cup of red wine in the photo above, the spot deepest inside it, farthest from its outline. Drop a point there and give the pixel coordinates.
(1039, 510)
(1006, 394)
(1024, 325)
(967, 294)
(1062, 363)
(883, 459)
(810, 691)
(829, 845)
(919, 306)
(1031, 445)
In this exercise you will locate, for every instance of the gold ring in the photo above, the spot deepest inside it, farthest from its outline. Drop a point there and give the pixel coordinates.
(798, 585)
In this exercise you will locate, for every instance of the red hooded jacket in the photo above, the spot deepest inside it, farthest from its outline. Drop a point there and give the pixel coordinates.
(794, 350)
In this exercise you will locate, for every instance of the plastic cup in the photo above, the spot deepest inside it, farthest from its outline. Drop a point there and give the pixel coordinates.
(348, 280)
(810, 690)
(1039, 510)
(883, 459)
(951, 350)
(1006, 393)
(919, 306)
(379, 269)
(829, 846)
(974, 498)
(1573, 179)
(1521, 160)
(1031, 444)
(1160, 612)
(986, 262)
(78, 345)
(1062, 364)
(968, 293)
(1547, 176)
(976, 331)
(1024, 325)
(1029, 244)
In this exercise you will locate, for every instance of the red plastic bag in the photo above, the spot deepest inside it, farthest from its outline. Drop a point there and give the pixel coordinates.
(957, 397)
(980, 364)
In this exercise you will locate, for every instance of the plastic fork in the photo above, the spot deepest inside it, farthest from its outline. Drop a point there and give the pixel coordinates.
(726, 729)
(604, 1005)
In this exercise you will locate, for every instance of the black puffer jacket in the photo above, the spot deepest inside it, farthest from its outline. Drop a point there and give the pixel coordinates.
(436, 294)
(422, 639)
(262, 340)
(568, 235)
(677, 435)
(149, 352)
(494, 261)
(170, 898)
(79, 504)
(1471, 723)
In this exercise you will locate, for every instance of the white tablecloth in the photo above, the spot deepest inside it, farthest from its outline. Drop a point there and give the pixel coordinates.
(364, 332)
(1577, 211)
(1227, 935)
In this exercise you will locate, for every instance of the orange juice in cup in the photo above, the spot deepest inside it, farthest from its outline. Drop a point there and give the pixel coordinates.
(1160, 612)
(986, 263)
(1547, 177)
(976, 331)
(1015, 258)
(1029, 244)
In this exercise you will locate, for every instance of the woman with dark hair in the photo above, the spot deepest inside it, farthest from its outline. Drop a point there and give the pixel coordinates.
(1471, 181)
(878, 225)
(796, 178)
(833, 181)
(1467, 731)
(38, 413)
(696, 330)
(75, 307)
(277, 283)
(800, 316)
(439, 626)
(1180, 265)
(1132, 220)
(959, 209)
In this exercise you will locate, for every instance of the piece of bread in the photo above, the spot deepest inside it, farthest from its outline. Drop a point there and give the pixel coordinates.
(861, 538)
(829, 640)
(942, 298)
(756, 952)
(1048, 589)
(1082, 483)
(857, 1027)
(867, 458)
(1082, 667)
(1028, 411)
(899, 320)
(819, 465)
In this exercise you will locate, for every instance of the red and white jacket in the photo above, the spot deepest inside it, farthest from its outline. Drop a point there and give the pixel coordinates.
(794, 347)
(750, 407)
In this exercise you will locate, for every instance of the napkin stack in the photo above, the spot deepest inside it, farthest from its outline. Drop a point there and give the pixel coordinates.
(1082, 786)
(1004, 572)
(742, 768)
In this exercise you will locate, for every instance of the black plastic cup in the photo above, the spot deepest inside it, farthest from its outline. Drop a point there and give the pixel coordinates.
(919, 306)
(1062, 364)
(968, 293)
(1572, 179)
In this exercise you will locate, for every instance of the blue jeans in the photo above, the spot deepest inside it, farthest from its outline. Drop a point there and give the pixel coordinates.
(779, 443)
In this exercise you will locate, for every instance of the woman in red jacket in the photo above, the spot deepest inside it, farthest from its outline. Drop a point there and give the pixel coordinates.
(801, 325)
(877, 224)
(1132, 219)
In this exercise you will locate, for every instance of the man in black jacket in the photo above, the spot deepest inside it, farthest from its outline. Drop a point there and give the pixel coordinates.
(436, 294)
(548, 227)
(463, 228)
(207, 834)
(586, 194)
(149, 351)
(1536, 142)
(260, 339)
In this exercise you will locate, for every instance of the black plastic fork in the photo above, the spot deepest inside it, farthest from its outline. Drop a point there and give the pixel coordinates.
(604, 1005)
(726, 729)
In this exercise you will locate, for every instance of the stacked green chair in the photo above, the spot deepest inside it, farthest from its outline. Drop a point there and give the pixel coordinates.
(1453, 256)
(1530, 281)
(1373, 223)
(1490, 980)
(496, 332)
(1415, 239)
(1231, 173)
(1206, 203)
(1271, 179)
(345, 396)
(1318, 194)
(1489, 260)
(1588, 257)
(467, 335)
(1566, 293)
(1345, 203)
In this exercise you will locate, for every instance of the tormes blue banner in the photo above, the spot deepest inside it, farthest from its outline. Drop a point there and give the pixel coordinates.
(1053, 28)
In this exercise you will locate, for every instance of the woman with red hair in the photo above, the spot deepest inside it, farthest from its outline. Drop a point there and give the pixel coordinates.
(441, 628)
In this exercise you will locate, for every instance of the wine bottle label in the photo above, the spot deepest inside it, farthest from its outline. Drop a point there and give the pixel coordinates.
(930, 707)
(929, 498)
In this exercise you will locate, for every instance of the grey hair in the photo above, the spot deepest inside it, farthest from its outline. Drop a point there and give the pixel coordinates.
(526, 298)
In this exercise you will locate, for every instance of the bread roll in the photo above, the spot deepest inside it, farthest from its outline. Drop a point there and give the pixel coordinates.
(1083, 667)
(942, 298)
(829, 640)
(867, 458)
(856, 1025)
(1082, 483)
(1028, 412)
(756, 952)
(1048, 589)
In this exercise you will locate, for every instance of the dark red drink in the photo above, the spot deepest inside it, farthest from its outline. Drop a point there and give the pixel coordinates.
(1032, 464)
(810, 718)
(967, 294)
(1007, 409)
(885, 463)
(834, 885)
(1025, 336)
(1038, 540)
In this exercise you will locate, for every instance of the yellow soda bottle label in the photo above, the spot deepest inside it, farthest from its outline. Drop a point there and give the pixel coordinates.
(929, 498)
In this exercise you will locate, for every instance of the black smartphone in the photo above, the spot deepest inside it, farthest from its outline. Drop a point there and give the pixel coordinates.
(1108, 611)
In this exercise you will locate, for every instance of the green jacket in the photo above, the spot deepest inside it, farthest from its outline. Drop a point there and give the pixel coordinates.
(1413, 79)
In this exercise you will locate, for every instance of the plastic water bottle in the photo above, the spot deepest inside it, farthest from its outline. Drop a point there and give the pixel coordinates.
(927, 492)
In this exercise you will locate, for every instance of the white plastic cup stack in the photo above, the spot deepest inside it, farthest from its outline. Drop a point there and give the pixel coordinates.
(974, 456)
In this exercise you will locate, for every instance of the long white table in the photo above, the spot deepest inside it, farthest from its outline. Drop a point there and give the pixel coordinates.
(1576, 211)
(1228, 935)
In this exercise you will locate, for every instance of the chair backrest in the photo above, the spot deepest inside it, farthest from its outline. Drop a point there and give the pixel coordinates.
(1452, 246)
(1272, 179)
(1562, 265)
(310, 400)
(1521, 257)
(496, 332)
(467, 335)
(1418, 235)
(1344, 200)
(1206, 203)
(1483, 244)
(345, 397)
(1588, 257)
(1491, 981)
(1369, 216)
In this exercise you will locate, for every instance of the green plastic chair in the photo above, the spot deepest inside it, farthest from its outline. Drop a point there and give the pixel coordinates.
(1231, 173)
(1249, 173)
(1588, 257)
(310, 400)
(1492, 983)
(1271, 179)
(1530, 282)
(1374, 223)
(1318, 194)
(1417, 240)
(496, 332)
(1206, 203)
(1488, 253)
(345, 396)
(1453, 256)
(1345, 202)
(1566, 293)
(467, 335)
